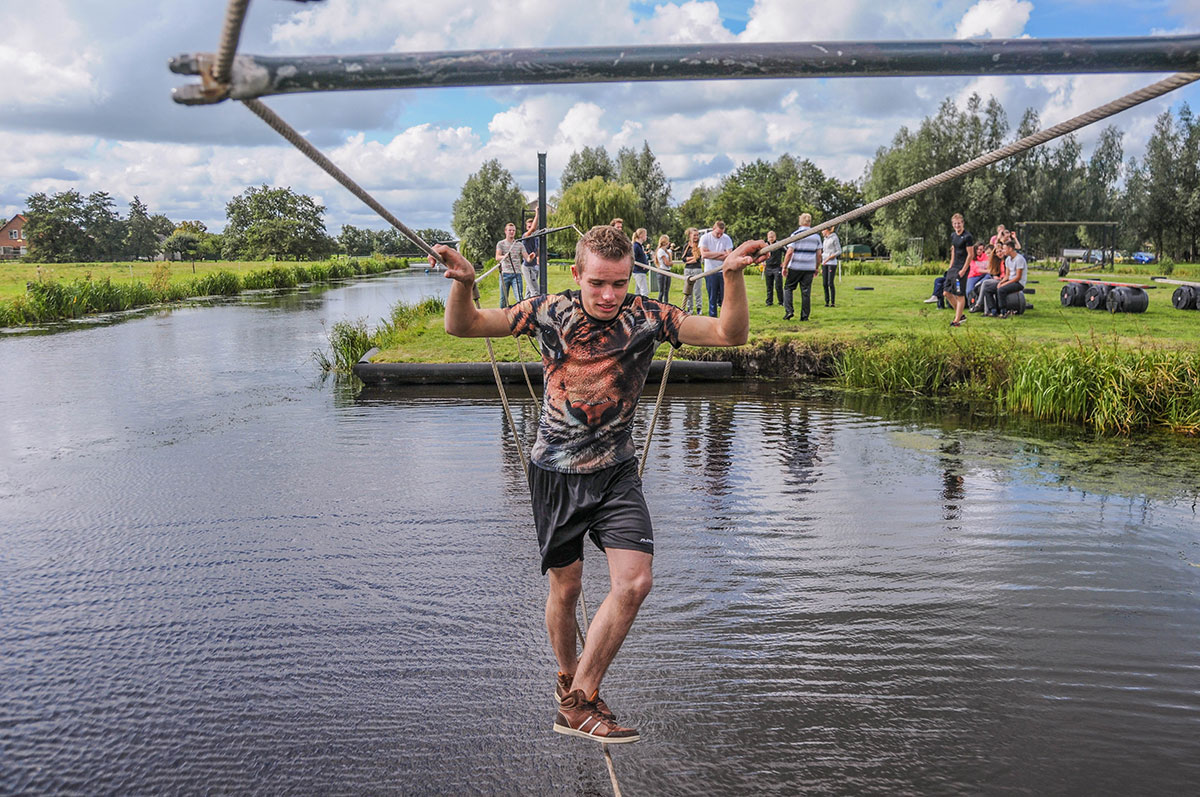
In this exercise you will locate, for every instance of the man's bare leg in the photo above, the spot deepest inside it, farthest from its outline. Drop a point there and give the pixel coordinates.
(565, 584)
(629, 573)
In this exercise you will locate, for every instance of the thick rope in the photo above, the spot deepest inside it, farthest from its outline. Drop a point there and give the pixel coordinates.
(316, 156)
(235, 15)
(525, 371)
(662, 388)
(1029, 142)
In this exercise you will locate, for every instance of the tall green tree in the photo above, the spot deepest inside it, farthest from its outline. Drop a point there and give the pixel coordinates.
(643, 171)
(697, 210)
(489, 200)
(356, 242)
(585, 164)
(1160, 204)
(592, 202)
(267, 221)
(141, 241)
(104, 226)
(758, 197)
(56, 227)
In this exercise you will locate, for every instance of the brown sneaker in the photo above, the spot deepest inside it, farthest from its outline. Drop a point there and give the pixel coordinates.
(578, 716)
(563, 688)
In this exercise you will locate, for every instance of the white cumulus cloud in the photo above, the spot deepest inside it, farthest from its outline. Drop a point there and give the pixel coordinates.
(998, 19)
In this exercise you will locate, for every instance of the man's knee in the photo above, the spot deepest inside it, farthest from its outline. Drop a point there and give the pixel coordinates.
(634, 587)
(566, 584)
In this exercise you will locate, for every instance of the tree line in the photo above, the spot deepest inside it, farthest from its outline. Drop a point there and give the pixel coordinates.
(1155, 201)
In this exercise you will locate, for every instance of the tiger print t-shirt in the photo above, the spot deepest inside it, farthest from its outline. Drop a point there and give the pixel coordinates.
(594, 372)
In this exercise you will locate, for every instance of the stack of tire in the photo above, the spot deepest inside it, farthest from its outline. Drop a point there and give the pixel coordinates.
(1098, 296)
(1073, 294)
(1122, 299)
(1186, 297)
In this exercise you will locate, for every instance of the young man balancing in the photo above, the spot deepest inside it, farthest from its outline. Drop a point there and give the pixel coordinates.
(597, 344)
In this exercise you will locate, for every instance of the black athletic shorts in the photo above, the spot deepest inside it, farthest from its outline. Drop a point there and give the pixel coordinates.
(607, 505)
(954, 284)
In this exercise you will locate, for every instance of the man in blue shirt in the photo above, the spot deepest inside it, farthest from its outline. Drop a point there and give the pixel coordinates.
(802, 258)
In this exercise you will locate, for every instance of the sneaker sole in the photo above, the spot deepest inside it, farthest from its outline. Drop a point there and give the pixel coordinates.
(566, 731)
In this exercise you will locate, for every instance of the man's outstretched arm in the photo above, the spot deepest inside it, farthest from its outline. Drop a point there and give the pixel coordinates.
(733, 327)
(463, 318)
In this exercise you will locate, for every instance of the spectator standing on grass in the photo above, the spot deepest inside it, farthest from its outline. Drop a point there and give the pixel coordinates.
(693, 265)
(961, 243)
(663, 259)
(714, 246)
(510, 254)
(831, 250)
(641, 277)
(773, 272)
(802, 259)
(529, 269)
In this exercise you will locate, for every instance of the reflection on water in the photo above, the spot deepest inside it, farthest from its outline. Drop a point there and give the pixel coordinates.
(221, 573)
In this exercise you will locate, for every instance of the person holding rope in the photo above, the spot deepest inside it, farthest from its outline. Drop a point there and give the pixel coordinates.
(693, 266)
(597, 345)
(510, 254)
(802, 259)
(529, 268)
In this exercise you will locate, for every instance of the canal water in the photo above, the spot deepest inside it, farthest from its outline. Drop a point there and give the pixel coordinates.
(221, 573)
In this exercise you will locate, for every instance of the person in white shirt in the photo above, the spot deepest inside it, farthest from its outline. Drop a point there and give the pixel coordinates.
(831, 249)
(714, 246)
(1017, 272)
(802, 258)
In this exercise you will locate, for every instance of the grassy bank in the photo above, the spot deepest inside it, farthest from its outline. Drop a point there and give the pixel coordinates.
(1113, 372)
(95, 290)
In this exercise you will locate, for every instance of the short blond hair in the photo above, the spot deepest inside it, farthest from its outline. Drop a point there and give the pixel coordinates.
(606, 242)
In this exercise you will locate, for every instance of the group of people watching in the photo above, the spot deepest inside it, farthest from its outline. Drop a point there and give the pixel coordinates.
(785, 270)
(982, 276)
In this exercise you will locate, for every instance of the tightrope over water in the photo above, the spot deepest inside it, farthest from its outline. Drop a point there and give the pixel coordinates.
(221, 573)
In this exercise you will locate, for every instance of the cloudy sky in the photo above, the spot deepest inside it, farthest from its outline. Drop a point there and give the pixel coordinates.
(88, 105)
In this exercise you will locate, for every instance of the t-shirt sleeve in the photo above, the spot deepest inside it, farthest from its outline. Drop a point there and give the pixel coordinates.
(670, 318)
(523, 316)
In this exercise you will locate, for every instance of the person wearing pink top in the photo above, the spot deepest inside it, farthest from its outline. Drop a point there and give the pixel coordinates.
(979, 267)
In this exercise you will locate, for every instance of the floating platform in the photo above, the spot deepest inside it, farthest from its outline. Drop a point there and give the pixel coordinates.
(384, 374)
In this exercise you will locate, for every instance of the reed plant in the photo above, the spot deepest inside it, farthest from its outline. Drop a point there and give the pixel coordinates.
(350, 340)
(53, 300)
(1110, 387)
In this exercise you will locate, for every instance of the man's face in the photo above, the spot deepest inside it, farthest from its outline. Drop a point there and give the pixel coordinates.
(620, 225)
(957, 224)
(771, 237)
(603, 284)
(718, 230)
(510, 231)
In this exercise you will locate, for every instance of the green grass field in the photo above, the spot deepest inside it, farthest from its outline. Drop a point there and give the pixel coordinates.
(894, 307)
(14, 275)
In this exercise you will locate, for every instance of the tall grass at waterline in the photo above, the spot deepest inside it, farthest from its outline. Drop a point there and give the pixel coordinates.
(350, 340)
(53, 300)
(1108, 387)
(923, 365)
(1112, 389)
